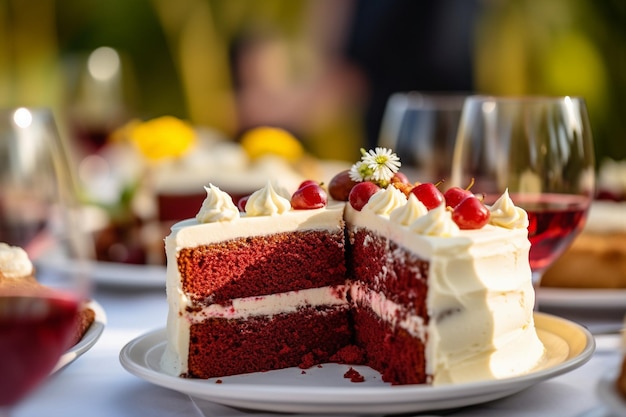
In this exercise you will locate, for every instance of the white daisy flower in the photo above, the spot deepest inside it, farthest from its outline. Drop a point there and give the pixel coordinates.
(360, 172)
(382, 162)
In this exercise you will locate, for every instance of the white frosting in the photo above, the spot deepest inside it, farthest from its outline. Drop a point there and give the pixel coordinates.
(267, 202)
(505, 213)
(437, 222)
(14, 262)
(408, 213)
(385, 200)
(606, 217)
(217, 206)
(480, 297)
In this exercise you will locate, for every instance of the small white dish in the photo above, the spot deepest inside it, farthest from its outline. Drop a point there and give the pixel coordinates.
(88, 340)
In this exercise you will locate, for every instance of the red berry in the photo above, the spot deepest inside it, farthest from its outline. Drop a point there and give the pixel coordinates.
(309, 197)
(241, 204)
(399, 177)
(361, 193)
(339, 187)
(455, 195)
(307, 182)
(428, 194)
(470, 213)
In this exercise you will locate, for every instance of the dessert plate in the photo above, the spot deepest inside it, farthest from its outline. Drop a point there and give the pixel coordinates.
(89, 339)
(590, 298)
(325, 390)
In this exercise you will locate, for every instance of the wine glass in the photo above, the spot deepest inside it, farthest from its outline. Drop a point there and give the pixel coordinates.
(541, 150)
(421, 128)
(38, 309)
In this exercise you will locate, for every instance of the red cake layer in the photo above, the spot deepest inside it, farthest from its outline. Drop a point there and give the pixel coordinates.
(390, 269)
(397, 355)
(221, 347)
(262, 265)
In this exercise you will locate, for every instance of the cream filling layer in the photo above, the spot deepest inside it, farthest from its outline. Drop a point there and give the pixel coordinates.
(387, 310)
(273, 304)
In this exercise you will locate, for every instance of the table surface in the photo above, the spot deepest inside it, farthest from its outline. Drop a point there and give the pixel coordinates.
(97, 385)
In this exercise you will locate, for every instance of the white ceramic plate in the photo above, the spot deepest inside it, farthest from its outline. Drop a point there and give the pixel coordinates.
(325, 390)
(607, 392)
(89, 339)
(581, 298)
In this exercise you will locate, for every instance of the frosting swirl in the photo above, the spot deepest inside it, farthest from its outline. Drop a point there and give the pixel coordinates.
(437, 222)
(218, 206)
(267, 202)
(505, 213)
(384, 201)
(14, 262)
(408, 213)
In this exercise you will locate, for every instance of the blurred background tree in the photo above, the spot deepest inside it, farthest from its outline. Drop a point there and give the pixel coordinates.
(233, 64)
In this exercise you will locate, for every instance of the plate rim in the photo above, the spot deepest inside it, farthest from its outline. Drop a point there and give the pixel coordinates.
(88, 340)
(341, 399)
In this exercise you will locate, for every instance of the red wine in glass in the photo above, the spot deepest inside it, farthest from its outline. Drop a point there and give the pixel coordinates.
(28, 322)
(554, 221)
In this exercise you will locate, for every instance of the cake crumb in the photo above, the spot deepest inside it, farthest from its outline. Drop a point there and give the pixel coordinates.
(218, 381)
(354, 375)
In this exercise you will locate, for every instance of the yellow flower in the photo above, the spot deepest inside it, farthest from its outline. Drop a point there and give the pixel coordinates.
(271, 140)
(162, 137)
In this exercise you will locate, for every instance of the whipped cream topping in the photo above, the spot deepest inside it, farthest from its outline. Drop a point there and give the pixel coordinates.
(217, 206)
(437, 222)
(505, 213)
(385, 200)
(14, 262)
(267, 202)
(408, 213)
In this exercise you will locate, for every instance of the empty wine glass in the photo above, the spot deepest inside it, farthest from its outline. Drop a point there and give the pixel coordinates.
(421, 129)
(39, 308)
(541, 150)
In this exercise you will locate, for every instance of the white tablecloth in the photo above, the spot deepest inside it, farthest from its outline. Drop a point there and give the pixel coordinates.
(96, 385)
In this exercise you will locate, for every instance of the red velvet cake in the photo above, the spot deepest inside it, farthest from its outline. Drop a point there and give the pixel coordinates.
(422, 291)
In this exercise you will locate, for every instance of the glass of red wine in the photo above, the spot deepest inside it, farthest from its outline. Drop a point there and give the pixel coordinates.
(540, 149)
(39, 304)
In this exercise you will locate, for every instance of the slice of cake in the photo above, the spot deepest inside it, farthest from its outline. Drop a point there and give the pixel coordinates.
(255, 293)
(421, 292)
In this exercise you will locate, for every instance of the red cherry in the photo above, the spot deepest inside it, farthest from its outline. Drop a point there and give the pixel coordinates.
(339, 187)
(361, 193)
(309, 197)
(241, 204)
(307, 182)
(471, 213)
(428, 194)
(399, 177)
(453, 196)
